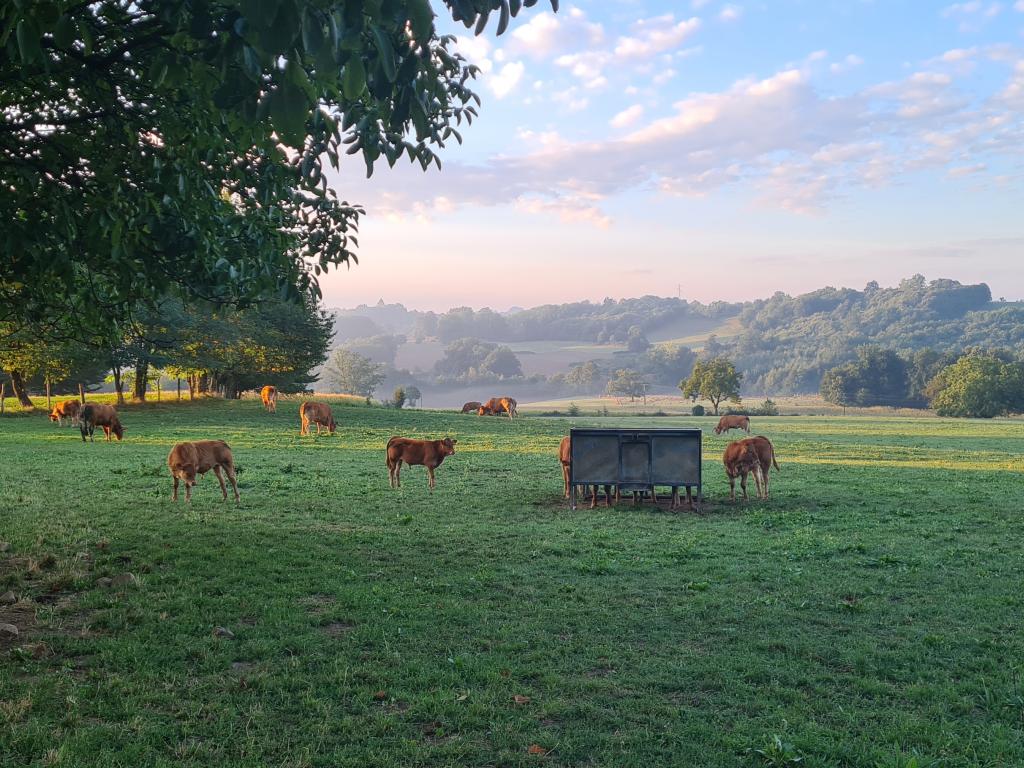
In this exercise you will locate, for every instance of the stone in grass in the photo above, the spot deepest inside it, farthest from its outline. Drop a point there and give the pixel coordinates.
(224, 632)
(104, 582)
(8, 598)
(4, 546)
(8, 630)
(124, 580)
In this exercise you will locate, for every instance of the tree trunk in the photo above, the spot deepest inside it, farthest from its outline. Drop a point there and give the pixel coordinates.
(81, 392)
(118, 384)
(3, 396)
(191, 386)
(715, 403)
(49, 406)
(158, 388)
(141, 376)
(179, 388)
(18, 385)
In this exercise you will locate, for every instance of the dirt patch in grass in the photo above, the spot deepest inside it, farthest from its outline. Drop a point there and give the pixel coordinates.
(23, 616)
(338, 628)
(317, 604)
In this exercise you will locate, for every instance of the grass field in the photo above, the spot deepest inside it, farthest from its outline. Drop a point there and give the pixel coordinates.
(868, 615)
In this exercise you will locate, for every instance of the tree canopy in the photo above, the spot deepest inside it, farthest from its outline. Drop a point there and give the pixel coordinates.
(156, 145)
(980, 385)
(353, 374)
(714, 380)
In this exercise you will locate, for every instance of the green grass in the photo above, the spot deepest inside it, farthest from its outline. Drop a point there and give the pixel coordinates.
(869, 613)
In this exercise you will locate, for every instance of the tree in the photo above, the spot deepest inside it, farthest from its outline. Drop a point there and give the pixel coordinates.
(583, 378)
(636, 341)
(714, 380)
(398, 397)
(877, 377)
(161, 145)
(627, 383)
(353, 374)
(503, 363)
(413, 395)
(978, 385)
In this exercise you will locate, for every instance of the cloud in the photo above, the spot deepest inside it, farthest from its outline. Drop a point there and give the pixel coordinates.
(852, 61)
(627, 116)
(797, 148)
(730, 13)
(654, 35)
(504, 80)
(546, 34)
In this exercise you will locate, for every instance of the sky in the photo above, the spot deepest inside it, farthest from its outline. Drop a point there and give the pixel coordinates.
(711, 150)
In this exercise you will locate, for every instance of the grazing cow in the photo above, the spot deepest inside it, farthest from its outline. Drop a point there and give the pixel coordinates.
(70, 409)
(94, 415)
(565, 456)
(429, 453)
(316, 413)
(497, 406)
(677, 502)
(733, 422)
(187, 460)
(269, 397)
(766, 458)
(740, 459)
(471, 406)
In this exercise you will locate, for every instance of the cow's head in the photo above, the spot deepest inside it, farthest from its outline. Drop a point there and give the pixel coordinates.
(186, 473)
(448, 446)
(481, 410)
(331, 425)
(718, 429)
(54, 416)
(117, 430)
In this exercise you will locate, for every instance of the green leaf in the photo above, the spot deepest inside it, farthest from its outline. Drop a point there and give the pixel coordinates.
(288, 111)
(386, 52)
(312, 32)
(64, 32)
(422, 19)
(28, 42)
(354, 78)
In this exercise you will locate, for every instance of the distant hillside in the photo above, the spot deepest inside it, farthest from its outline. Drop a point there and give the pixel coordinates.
(783, 344)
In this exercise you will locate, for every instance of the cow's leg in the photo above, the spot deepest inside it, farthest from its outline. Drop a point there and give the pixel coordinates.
(174, 494)
(188, 492)
(732, 488)
(430, 477)
(743, 485)
(220, 478)
(565, 479)
(765, 474)
(593, 496)
(607, 495)
(106, 433)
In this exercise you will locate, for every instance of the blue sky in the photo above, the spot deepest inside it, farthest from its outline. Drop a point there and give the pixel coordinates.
(715, 150)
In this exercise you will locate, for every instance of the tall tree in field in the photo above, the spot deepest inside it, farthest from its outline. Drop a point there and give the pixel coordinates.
(714, 380)
(626, 383)
(353, 374)
(876, 377)
(156, 146)
(979, 385)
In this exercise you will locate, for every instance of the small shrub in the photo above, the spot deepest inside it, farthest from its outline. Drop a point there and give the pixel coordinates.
(767, 408)
(697, 410)
(573, 409)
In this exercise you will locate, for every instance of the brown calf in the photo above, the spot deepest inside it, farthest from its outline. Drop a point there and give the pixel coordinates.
(740, 459)
(94, 415)
(68, 409)
(733, 422)
(497, 406)
(316, 413)
(471, 406)
(269, 397)
(187, 460)
(429, 453)
(766, 459)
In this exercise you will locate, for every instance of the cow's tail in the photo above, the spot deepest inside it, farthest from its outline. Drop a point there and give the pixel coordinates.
(774, 462)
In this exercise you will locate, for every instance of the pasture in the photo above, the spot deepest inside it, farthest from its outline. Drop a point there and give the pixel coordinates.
(868, 614)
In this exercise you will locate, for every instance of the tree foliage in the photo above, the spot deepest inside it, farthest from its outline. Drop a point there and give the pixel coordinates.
(980, 385)
(877, 377)
(714, 380)
(151, 145)
(627, 383)
(351, 373)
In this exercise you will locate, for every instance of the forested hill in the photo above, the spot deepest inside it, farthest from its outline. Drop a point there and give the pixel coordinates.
(782, 344)
(787, 343)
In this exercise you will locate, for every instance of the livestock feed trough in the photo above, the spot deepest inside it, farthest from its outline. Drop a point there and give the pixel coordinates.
(636, 460)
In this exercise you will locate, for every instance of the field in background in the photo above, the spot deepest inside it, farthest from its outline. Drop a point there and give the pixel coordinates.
(867, 614)
(789, 405)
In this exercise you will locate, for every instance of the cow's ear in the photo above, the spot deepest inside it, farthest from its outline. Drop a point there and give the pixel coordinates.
(454, 442)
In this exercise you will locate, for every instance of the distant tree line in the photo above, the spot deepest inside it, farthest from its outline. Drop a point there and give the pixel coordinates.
(980, 383)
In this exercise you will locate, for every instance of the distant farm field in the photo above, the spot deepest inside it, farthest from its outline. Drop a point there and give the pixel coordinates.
(869, 614)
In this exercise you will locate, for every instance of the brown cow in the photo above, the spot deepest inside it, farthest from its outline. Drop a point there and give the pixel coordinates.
(740, 459)
(766, 457)
(497, 406)
(70, 409)
(269, 397)
(733, 422)
(95, 415)
(187, 460)
(565, 456)
(428, 453)
(471, 406)
(316, 413)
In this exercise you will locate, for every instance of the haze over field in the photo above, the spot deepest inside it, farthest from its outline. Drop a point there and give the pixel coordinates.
(735, 149)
